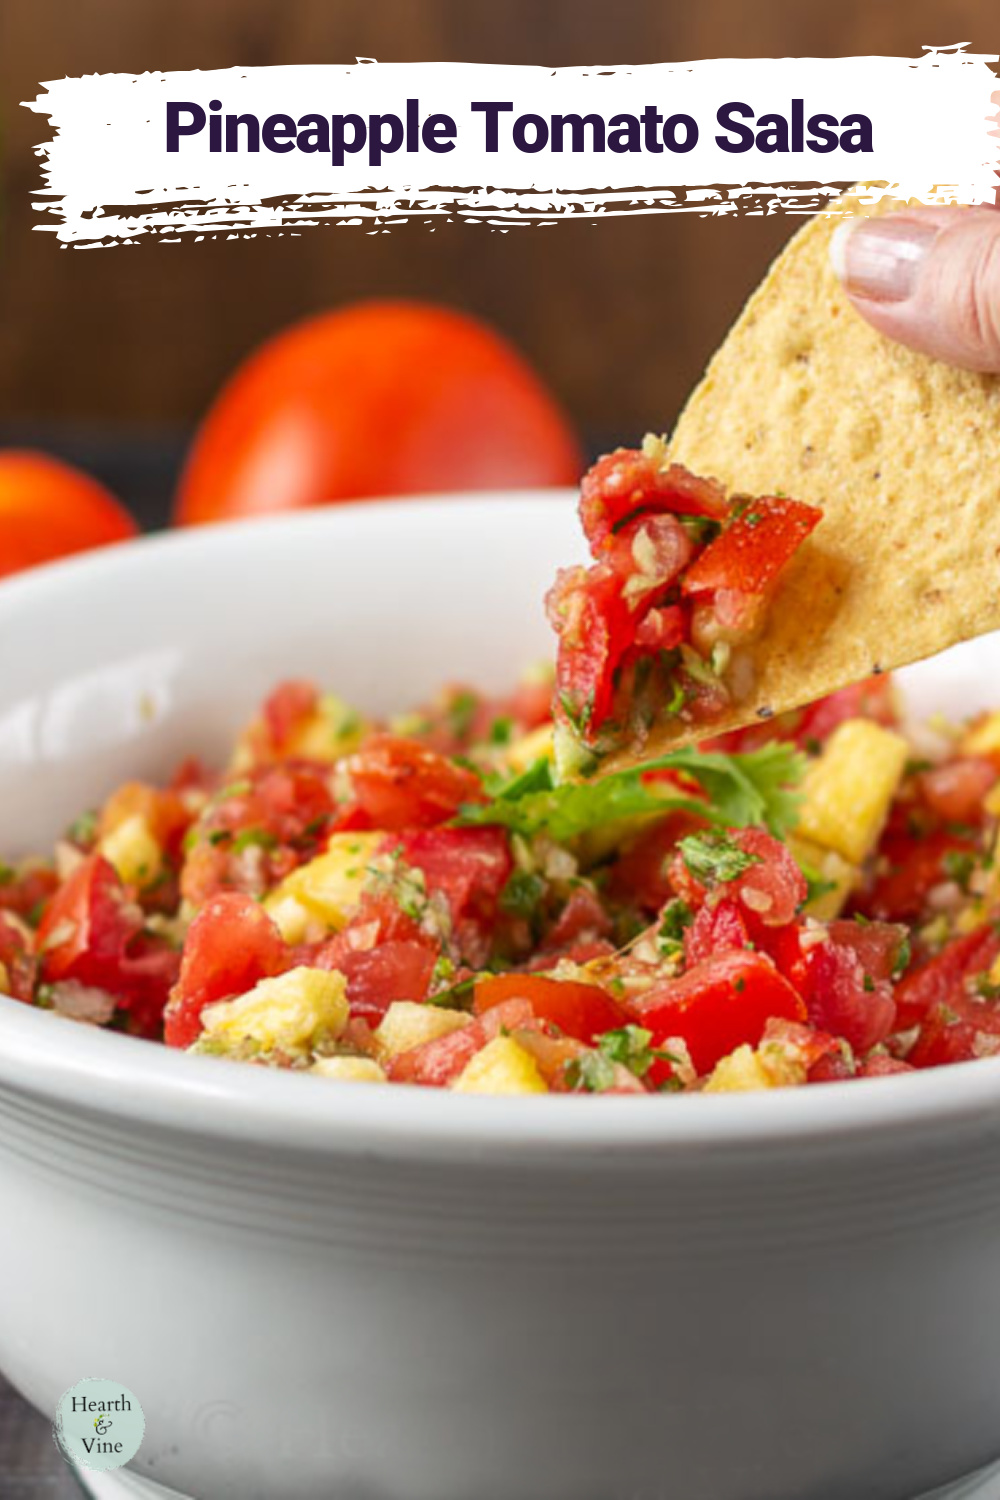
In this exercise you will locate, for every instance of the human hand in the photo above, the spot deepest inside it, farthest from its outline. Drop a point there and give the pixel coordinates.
(929, 278)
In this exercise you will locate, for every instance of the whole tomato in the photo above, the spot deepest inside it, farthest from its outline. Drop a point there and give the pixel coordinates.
(48, 509)
(381, 398)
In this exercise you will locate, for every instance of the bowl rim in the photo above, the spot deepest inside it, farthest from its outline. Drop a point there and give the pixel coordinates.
(79, 1068)
(64, 1064)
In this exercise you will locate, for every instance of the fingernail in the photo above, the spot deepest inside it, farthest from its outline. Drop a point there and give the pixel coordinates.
(880, 258)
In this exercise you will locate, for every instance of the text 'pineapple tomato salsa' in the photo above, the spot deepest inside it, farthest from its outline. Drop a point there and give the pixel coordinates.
(426, 902)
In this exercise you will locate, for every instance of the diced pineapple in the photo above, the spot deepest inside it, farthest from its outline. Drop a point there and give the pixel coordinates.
(133, 850)
(291, 1012)
(535, 745)
(326, 891)
(501, 1067)
(331, 732)
(740, 1072)
(828, 867)
(352, 1069)
(408, 1023)
(848, 791)
(982, 738)
(4, 979)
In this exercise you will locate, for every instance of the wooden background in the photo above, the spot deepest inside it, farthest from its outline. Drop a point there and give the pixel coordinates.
(619, 316)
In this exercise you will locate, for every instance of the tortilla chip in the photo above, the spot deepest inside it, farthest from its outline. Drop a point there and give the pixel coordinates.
(902, 454)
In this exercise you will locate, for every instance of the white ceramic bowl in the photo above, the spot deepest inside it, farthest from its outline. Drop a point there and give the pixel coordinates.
(323, 1290)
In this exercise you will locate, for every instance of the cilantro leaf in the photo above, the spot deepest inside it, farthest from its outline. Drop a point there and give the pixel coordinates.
(715, 859)
(739, 790)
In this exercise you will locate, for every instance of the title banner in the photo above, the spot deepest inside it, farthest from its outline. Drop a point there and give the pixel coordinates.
(242, 151)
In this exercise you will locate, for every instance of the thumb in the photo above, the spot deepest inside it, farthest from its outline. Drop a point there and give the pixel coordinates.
(929, 278)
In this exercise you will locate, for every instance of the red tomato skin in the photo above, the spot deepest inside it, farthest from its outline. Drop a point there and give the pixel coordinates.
(954, 791)
(883, 1066)
(21, 967)
(436, 1064)
(870, 699)
(916, 865)
(399, 783)
(582, 1011)
(49, 509)
(944, 1038)
(749, 554)
(842, 1000)
(715, 929)
(231, 945)
(305, 419)
(718, 1005)
(91, 906)
(623, 483)
(27, 890)
(469, 867)
(941, 980)
(376, 977)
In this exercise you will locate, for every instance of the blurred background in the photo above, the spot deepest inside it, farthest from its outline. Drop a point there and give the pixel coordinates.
(109, 357)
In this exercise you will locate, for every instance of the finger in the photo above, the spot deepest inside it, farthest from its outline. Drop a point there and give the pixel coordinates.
(929, 278)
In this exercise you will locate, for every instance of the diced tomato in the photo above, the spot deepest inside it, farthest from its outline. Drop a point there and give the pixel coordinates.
(583, 1011)
(715, 929)
(833, 1068)
(18, 965)
(945, 1037)
(942, 979)
(282, 812)
(662, 629)
(643, 871)
(583, 918)
(87, 926)
(749, 553)
(718, 1005)
(955, 790)
(879, 945)
(552, 1054)
(769, 892)
(231, 945)
(401, 784)
(383, 954)
(376, 977)
(27, 889)
(845, 1000)
(916, 863)
(626, 483)
(286, 708)
(648, 553)
(869, 699)
(883, 1066)
(150, 971)
(437, 1063)
(588, 612)
(804, 1042)
(165, 813)
(469, 867)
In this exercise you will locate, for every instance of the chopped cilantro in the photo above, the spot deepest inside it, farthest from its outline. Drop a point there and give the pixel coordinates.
(903, 956)
(219, 836)
(83, 830)
(593, 1072)
(254, 838)
(714, 858)
(521, 895)
(958, 866)
(756, 787)
(869, 985)
(740, 985)
(674, 918)
(455, 996)
(7, 873)
(678, 697)
(501, 730)
(461, 712)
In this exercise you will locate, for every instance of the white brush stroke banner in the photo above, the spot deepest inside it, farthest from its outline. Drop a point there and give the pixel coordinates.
(110, 178)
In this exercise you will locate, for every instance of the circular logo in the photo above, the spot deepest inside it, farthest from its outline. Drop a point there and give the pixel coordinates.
(99, 1424)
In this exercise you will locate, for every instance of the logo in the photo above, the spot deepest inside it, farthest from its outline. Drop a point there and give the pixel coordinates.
(99, 1424)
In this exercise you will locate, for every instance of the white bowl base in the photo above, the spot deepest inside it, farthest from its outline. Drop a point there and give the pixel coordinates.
(984, 1485)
